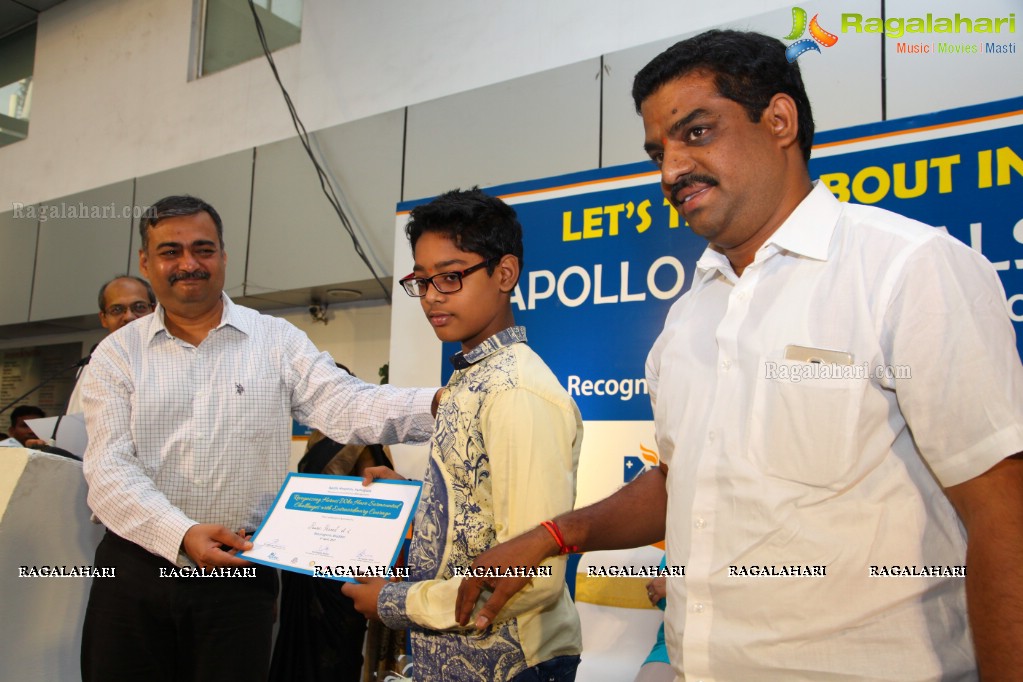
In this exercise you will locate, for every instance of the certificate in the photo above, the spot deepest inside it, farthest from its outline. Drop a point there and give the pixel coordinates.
(334, 527)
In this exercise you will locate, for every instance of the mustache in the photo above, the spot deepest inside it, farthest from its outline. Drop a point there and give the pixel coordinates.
(195, 274)
(690, 180)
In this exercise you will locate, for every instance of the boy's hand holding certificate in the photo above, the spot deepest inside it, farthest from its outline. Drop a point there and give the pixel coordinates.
(334, 527)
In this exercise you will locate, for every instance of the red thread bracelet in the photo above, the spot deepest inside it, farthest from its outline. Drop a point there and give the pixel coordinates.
(555, 532)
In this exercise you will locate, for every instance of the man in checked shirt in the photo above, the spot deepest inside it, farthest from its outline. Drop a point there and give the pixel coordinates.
(188, 413)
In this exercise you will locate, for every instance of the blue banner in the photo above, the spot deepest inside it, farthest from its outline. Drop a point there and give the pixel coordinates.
(605, 255)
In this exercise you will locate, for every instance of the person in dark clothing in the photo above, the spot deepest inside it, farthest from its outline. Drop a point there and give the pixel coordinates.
(321, 634)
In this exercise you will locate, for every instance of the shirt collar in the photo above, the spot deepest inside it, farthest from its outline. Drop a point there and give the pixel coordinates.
(808, 229)
(231, 315)
(806, 232)
(505, 337)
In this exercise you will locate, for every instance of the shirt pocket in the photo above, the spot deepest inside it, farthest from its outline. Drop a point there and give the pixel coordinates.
(258, 407)
(803, 422)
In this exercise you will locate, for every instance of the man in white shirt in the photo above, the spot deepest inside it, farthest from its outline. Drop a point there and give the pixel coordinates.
(189, 412)
(838, 383)
(22, 432)
(121, 300)
(124, 299)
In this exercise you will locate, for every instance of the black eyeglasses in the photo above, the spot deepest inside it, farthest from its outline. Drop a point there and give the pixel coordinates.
(444, 282)
(140, 308)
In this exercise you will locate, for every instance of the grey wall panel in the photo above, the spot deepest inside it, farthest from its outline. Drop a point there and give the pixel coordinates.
(226, 184)
(18, 231)
(532, 127)
(77, 254)
(297, 239)
(623, 128)
(843, 81)
(923, 83)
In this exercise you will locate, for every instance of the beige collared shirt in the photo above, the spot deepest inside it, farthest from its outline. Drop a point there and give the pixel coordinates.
(503, 459)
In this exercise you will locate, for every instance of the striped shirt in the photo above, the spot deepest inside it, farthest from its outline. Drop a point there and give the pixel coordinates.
(182, 434)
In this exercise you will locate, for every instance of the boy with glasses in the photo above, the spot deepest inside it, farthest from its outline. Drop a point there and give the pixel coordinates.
(503, 458)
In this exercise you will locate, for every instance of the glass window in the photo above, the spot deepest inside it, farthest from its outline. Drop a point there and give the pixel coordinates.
(229, 34)
(17, 57)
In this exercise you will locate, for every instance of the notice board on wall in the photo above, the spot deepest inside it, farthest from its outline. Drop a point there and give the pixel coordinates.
(23, 368)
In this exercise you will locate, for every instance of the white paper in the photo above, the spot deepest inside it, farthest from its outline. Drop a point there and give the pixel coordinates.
(335, 527)
(70, 437)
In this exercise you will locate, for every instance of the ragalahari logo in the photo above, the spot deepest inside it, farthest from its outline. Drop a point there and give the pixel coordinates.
(818, 36)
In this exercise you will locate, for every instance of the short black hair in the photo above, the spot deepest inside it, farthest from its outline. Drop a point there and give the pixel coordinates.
(22, 411)
(748, 68)
(475, 221)
(176, 207)
(103, 290)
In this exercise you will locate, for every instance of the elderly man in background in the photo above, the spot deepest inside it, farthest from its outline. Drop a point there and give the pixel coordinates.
(121, 300)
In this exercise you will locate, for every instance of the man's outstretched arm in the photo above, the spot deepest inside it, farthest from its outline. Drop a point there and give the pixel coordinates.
(632, 517)
(991, 507)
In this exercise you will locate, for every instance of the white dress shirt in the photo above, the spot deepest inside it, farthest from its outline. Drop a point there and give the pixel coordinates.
(74, 403)
(844, 473)
(180, 434)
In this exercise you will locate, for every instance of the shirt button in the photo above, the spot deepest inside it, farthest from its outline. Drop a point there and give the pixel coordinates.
(742, 295)
(198, 482)
(726, 364)
(698, 607)
(700, 523)
(710, 437)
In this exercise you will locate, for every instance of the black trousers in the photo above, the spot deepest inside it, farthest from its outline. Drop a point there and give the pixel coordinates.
(321, 634)
(141, 626)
